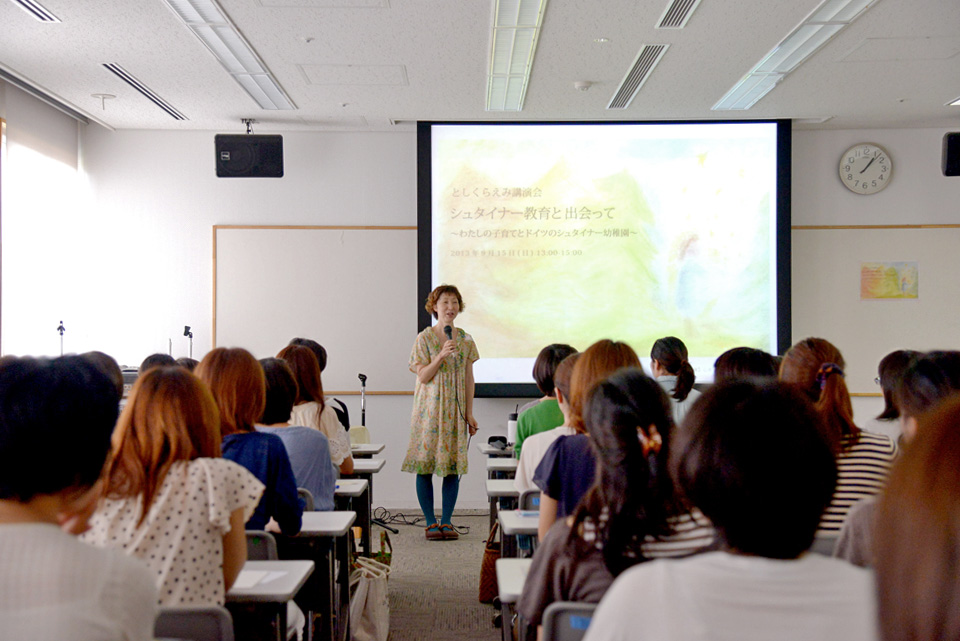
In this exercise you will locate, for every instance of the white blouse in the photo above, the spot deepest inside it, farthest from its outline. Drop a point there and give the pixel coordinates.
(305, 414)
(181, 539)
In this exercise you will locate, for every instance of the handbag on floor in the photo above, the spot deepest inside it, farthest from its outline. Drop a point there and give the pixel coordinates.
(488, 567)
(370, 605)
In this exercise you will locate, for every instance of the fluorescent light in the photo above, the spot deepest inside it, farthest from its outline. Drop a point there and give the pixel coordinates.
(516, 30)
(955, 103)
(820, 26)
(209, 23)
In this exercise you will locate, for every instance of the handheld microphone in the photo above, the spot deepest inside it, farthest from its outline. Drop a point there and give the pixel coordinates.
(448, 331)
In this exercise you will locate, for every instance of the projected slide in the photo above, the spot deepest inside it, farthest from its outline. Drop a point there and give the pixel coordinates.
(573, 233)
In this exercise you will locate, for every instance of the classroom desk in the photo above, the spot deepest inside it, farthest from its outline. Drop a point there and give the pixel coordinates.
(365, 468)
(512, 524)
(491, 452)
(350, 495)
(503, 496)
(281, 583)
(324, 540)
(501, 468)
(511, 575)
(366, 450)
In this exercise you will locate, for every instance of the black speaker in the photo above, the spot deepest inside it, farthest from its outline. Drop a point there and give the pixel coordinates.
(249, 156)
(951, 154)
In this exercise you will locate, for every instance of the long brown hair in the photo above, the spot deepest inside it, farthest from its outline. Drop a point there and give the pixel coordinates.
(595, 364)
(236, 381)
(917, 539)
(306, 370)
(170, 416)
(816, 367)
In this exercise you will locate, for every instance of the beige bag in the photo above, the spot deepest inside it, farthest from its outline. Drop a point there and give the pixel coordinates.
(370, 605)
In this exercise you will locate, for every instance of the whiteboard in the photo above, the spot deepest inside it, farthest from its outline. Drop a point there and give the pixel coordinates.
(351, 289)
(826, 293)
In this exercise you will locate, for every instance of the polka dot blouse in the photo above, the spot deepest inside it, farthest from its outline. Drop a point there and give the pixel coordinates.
(181, 539)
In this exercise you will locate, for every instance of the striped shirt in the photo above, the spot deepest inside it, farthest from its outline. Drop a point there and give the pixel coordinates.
(862, 470)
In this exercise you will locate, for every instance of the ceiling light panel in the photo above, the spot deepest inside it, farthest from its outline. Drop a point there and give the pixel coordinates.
(828, 19)
(516, 30)
(211, 25)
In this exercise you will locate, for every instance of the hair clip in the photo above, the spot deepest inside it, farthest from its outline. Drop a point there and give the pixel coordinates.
(825, 371)
(651, 443)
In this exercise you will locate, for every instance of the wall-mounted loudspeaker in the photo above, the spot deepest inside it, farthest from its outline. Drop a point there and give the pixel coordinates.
(951, 154)
(249, 156)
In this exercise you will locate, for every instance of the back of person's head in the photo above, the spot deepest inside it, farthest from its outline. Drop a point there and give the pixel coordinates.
(755, 459)
(561, 378)
(631, 428)
(56, 417)
(281, 391)
(815, 366)
(314, 347)
(109, 366)
(916, 542)
(890, 373)
(170, 416)
(236, 381)
(744, 362)
(671, 354)
(306, 371)
(595, 364)
(155, 360)
(928, 380)
(187, 363)
(545, 367)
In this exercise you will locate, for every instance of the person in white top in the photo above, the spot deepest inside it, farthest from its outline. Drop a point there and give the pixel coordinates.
(311, 410)
(764, 490)
(55, 422)
(675, 374)
(535, 446)
(169, 499)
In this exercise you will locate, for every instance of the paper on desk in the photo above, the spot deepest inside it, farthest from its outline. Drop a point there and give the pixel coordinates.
(250, 578)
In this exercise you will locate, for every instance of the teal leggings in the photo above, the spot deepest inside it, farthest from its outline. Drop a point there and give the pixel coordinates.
(449, 491)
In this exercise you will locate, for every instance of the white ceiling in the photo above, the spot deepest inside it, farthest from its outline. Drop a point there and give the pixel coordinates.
(364, 64)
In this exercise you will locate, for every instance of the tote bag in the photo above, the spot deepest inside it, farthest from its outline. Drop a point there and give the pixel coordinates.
(488, 567)
(370, 605)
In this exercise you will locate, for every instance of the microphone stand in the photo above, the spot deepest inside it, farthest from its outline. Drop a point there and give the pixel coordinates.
(363, 423)
(187, 332)
(61, 329)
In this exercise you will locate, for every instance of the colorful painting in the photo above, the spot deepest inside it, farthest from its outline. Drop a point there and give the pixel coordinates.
(888, 280)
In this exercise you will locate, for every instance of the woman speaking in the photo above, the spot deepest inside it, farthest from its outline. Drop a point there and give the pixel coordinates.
(442, 420)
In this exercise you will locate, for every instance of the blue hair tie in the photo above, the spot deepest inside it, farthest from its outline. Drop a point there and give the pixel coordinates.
(826, 370)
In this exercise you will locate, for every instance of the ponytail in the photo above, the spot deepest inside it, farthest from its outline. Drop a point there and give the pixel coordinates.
(834, 406)
(685, 380)
(671, 353)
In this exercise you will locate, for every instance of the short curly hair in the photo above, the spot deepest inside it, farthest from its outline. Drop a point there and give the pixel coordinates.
(431, 305)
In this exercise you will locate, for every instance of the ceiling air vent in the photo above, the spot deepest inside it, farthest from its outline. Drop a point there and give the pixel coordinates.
(677, 13)
(124, 75)
(36, 10)
(643, 65)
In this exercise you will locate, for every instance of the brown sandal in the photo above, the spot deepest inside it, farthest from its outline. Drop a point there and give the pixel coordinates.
(433, 532)
(448, 532)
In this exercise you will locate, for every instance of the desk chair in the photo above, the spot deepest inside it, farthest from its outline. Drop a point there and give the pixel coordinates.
(567, 620)
(194, 623)
(261, 546)
(530, 500)
(359, 435)
(307, 497)
(824, 545)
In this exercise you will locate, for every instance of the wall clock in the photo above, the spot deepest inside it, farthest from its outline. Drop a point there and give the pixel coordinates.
(865, 168)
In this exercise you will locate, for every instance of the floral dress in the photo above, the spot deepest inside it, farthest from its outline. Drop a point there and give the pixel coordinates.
(438, 432)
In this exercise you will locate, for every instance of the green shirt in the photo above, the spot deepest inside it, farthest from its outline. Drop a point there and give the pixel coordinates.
(544, 416)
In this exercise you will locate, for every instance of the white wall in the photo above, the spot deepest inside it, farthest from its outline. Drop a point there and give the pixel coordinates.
(136, 262)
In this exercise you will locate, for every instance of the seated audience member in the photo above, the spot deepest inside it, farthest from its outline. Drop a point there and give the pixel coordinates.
(538, 444)
(566, 471)
(761, 585)
(675, 374)
(311, 410)
(890, 371)
(155, 360)
(56, 417)
(815, 366)
(187, 363)
(631, 514)
(169, 499)
(308, 449)
(546, 414)
(928, 381)
(237, 383)
(321, 353)
(743, 362)
(918, 533)
(108, 366)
